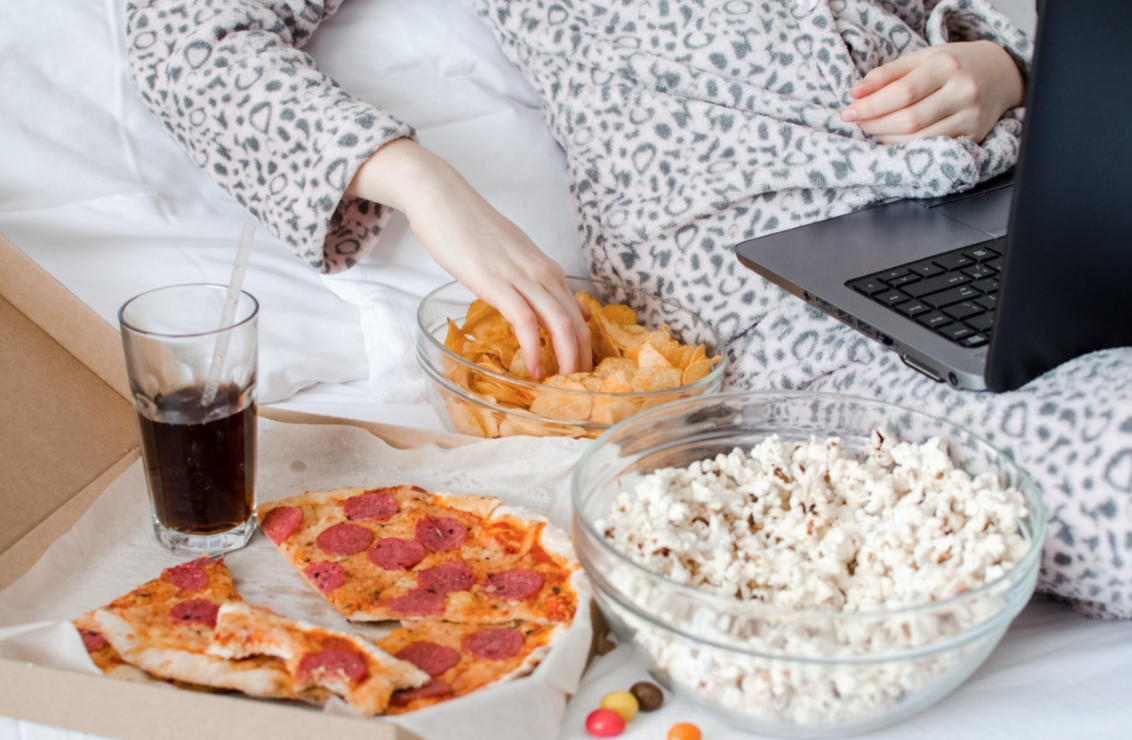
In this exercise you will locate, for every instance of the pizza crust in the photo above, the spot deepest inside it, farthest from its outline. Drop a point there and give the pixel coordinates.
(263, 678)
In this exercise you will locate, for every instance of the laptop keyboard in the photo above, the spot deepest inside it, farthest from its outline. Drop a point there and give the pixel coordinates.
(953, 294)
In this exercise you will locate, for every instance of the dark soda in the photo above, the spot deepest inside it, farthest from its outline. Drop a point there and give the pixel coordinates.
(201, 468)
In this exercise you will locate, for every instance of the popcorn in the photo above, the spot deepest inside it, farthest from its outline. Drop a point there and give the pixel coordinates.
(810, 526)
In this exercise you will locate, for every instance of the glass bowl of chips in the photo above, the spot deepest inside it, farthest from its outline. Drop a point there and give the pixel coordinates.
(648, 351)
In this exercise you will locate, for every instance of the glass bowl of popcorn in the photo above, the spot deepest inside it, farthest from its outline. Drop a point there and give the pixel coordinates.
(802, 564)
(647, 352)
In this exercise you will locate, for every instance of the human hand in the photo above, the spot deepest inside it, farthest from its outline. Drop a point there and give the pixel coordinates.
(481, 248)
(957, 89)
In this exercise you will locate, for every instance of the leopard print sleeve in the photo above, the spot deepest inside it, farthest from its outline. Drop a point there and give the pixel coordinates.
(227, 81)
(976, 20)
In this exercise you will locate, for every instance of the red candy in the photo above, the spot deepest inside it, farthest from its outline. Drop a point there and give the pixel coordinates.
(605, 723)
(394, 554)
(370, 506)
(418, 603)
(441, 533)
(513, 585)
(455, 575)
(195, 611)
(344, 539)
(325, 664)
(191, 577)
(493, 643)
(431, 658)
(279, 524)
(326, 575)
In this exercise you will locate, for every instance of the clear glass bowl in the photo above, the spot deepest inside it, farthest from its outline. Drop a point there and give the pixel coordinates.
(496, 410)
(784, 672)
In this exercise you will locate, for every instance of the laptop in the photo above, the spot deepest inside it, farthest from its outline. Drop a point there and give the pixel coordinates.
(989, 288)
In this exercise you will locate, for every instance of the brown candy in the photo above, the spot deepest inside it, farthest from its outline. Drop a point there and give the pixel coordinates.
(649, 695)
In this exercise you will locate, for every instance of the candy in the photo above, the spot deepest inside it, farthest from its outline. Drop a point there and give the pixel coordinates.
(605, 723)
(621, 702)
(684, 731)
(649, 696)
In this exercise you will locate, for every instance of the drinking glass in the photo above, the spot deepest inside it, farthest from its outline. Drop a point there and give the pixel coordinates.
(200, 458)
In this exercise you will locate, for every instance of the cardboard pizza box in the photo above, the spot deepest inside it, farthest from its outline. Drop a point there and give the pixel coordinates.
(67, 430)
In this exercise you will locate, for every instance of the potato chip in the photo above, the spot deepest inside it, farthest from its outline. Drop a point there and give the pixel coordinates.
(619, 382)
(648, 357)
(611, 365)
(648, 379)
(619, 314)
(611, 410)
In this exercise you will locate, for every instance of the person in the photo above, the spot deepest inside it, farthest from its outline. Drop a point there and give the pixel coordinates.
(688, 128)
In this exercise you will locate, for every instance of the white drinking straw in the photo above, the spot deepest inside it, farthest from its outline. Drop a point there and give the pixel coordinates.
(243, 255)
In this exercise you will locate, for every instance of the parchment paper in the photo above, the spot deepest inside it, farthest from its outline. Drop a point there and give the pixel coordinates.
(111, 550)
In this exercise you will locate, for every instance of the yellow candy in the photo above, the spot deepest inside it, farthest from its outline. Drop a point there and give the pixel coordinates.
(621, 702)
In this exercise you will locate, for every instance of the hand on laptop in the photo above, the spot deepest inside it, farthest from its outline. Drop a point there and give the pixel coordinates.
(958, 89)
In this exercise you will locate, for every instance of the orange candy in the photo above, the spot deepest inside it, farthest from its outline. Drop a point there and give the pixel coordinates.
(684, 731)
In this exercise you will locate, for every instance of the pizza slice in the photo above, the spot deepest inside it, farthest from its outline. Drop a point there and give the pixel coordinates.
(165, 626)
(461, 658)
(346, 665)
(405, 553)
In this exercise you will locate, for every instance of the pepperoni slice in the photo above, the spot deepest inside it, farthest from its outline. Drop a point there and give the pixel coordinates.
(281, 523)
(435, 687)
(195, 611)
(419, 603)
(370, 506)
(94, 641)
(431, 658)
(440, 533)
(326, 575)
(333, 663)
(191, 577)
(493, 643)
(394, 554)
(512, 585)
(344, 539)
(455, 575)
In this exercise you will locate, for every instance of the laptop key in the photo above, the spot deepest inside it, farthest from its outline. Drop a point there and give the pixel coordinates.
(962, 311)
(980, 254)
(903, 280)
(988, 302)
(953, 261)
(990, 285)
(891, 298)
(913, 309)
(933, 320)
(925, 269)
(981, 323)
(936, 284)
(890, 275)
(978, 272)
(868, 286)
(955, 332)
(994, 264)
(947, 297)
(974, 340)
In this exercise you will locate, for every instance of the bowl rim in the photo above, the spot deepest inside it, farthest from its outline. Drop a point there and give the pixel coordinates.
(713, 375)
(759, 608)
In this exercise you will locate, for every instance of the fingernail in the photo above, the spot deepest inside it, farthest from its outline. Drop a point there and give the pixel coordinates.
(848, 115)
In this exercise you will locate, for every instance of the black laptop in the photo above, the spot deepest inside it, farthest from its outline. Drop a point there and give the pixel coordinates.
(989, 288)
